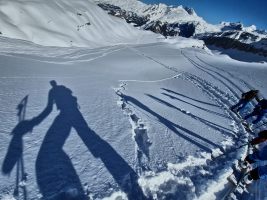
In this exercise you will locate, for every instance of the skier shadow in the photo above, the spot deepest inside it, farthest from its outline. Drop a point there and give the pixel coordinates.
(55, 174)
(188, 135)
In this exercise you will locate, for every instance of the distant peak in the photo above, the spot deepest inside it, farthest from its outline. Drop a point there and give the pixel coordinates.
(190, 11)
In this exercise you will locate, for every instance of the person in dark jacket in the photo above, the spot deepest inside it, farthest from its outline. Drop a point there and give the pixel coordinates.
(260, 110)
(259, 172)
(245, 99)
(262, 137)
(55, 174)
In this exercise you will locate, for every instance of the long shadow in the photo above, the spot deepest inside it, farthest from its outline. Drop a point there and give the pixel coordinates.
(14, 156)
(206, 122)
(173, 127)
(55, 174)
(203, 102)
(207, 110)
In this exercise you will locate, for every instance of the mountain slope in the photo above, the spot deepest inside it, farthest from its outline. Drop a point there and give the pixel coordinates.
(183, 21)
(64, 23)
(163, 13)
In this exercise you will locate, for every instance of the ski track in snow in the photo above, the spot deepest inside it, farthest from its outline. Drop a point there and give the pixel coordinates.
(74, 56)
(188, 177)
(248, 87)
(154, 60)
(216, 77)
(154, 81)
(222, 98)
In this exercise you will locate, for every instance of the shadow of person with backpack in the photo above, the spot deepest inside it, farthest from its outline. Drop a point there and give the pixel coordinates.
(55, 174)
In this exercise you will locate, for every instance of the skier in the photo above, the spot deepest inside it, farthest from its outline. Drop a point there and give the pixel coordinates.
(259, 172)
(262, 137)
(260, 110)
(245, 99)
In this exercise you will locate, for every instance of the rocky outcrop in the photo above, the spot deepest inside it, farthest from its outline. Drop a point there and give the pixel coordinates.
(163, 28)
(229, 43)
(226, 35)
(130, 17)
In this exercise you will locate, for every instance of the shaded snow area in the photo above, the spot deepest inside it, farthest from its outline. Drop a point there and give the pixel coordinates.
(151, 123)
(66, 23)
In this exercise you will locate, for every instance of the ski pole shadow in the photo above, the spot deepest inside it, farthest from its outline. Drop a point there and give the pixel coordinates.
(179, 94)
(212, 125)
(14, 156)
(188, 135)
(201, 108)
(55, 174)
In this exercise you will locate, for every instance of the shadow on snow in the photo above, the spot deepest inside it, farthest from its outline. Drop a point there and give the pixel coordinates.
(184, 133)
(55, 174)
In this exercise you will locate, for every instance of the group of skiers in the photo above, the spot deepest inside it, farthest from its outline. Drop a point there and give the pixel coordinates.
(259, 155)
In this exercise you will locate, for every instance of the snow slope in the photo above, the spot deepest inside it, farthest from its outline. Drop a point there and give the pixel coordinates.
(65, 23)
(154, 113)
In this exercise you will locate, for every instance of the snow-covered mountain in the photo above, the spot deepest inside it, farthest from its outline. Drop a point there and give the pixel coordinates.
(65, 23)
(176, 19)
(183, 21)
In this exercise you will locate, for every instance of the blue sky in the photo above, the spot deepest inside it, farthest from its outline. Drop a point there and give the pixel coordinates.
(214, 11)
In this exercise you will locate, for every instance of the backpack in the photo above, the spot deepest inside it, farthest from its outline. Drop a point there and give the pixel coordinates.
(263, 104)
(249, 95)
(63, 98)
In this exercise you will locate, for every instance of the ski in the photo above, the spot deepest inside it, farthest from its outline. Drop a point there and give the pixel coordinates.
(235, 179)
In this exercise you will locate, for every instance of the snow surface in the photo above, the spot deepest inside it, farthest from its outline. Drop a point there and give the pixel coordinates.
(153, 118)
(156, 114)
(66, 23)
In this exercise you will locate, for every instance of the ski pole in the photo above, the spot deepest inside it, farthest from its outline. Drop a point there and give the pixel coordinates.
(20, 164)
(247, 143)
(232, 150)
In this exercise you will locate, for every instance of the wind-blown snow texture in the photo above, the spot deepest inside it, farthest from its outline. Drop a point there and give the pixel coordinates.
(154, 111)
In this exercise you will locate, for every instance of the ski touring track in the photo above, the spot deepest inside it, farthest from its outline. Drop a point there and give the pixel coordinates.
(224, 99)
(73, 55)
(223, 79)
